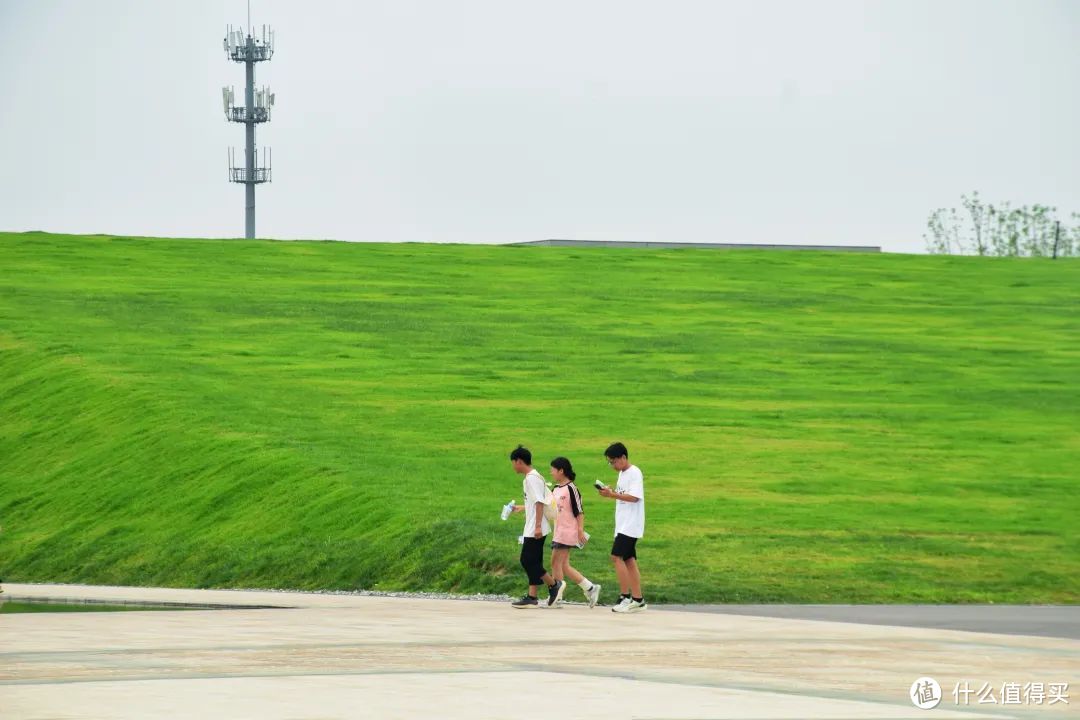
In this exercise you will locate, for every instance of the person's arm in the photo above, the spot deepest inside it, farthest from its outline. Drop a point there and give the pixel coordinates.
(635, 486)
(534, 493)
(579, 513)
(609, 493)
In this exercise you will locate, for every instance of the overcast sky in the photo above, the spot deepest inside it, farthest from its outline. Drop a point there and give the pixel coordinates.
(499, 121)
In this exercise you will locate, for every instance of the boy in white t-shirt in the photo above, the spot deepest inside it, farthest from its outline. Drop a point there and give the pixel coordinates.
(629, 495)
(536, 531)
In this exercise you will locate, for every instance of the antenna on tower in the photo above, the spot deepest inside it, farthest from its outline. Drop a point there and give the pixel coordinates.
(243, 46)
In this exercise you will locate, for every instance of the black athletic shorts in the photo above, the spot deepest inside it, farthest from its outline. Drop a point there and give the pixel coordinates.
(624, 547)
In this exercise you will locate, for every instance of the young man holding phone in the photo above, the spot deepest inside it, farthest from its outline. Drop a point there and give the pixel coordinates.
(629, 496)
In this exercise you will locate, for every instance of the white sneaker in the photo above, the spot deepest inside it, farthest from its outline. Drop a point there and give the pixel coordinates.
(636, 606)
(592, 595)
(622, 606)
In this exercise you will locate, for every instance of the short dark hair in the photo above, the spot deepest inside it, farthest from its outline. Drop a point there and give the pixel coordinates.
(522, 453)
(616, 450)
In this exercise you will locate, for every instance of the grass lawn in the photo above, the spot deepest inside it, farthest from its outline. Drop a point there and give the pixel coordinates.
(813, 427)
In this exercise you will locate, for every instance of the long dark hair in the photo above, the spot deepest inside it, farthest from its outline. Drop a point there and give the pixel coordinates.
(563, 464)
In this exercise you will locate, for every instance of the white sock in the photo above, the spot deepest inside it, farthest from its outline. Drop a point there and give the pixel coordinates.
(585, 585)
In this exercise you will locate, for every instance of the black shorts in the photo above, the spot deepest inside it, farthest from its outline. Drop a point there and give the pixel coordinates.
(562, 546)
(624, 547)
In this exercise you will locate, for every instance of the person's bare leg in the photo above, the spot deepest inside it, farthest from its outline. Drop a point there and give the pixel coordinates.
(548, 582)
(633, 577)
(570, 572)
(559, 560)
(621, 573)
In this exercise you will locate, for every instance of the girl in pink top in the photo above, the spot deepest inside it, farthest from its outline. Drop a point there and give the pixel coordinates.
(569, 529)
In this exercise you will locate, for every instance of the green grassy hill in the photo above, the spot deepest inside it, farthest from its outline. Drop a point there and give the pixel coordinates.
(813, 427)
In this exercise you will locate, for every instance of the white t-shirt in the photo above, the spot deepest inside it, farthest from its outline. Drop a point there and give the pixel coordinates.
(535, 491)
(630, 516)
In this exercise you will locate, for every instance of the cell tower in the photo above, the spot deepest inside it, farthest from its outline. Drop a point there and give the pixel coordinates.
(243, 46)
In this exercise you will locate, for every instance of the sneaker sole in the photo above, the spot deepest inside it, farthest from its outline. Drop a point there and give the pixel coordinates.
(525, 607)
(637, 609)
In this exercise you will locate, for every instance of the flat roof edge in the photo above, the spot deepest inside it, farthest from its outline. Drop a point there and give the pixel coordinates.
(556, 242)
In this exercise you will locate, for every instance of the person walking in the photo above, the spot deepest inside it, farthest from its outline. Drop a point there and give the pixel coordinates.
(569, 530)
(535, 532)
(629, 496)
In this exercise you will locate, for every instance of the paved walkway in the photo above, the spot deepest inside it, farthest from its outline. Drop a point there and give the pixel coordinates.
(1060, 621)
(334, 656)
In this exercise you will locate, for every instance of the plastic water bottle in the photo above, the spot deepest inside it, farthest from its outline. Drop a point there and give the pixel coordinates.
(507, 509)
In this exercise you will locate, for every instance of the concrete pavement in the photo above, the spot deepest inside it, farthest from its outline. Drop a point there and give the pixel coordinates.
(343, 656)
(1061, 621)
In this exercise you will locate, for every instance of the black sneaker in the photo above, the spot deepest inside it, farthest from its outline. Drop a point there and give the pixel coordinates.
(555, 592)
(525, 602)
